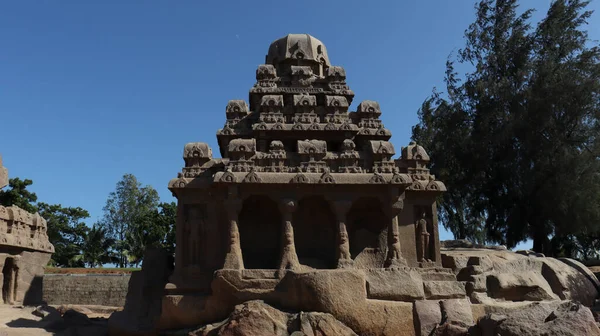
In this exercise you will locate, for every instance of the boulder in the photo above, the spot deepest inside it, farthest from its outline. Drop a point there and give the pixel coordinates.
(504, 275)
(445, 317)
(394, 284)
(443, 290)
(521, 286)
(567, 318)
(428, 316)
(258, 318)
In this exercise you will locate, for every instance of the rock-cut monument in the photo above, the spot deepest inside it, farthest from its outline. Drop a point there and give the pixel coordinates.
(306, 211)
(24, 252)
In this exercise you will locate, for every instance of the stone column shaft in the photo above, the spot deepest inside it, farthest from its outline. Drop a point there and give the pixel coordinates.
(344, 259)
(233, 259)
(289, 257)
(394, 257)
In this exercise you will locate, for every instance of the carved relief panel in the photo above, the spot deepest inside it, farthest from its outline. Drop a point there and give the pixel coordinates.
(194, 233)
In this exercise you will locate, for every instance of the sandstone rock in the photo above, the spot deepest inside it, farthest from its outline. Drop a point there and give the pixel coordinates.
(394, 284)
(41, 311)
(568, 318)
(258, 318)
(319, 324)
(443, 290)
(530, 253)
(457, 312)
(75, 318)
(448, 329)
(504, 275)
(253, 318)
(428, 316)
(528, 286)
(144, 296)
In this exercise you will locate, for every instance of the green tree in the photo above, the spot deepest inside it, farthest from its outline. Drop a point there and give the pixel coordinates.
(516, 138)
(67, 232)
(98, 247)
(18, 195)
(124, 214)
(154, 229)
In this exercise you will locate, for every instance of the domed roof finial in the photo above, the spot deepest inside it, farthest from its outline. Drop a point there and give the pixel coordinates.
(299, 47)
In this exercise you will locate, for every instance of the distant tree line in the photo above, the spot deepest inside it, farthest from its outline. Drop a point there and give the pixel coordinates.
(516, 137)
(133, 219)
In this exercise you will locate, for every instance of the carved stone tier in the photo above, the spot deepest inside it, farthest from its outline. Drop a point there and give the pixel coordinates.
(19, 228)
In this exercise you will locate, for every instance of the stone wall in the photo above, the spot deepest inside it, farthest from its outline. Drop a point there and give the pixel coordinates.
(105, 290)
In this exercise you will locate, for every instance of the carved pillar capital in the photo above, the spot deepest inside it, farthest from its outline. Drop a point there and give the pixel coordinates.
(288, 205)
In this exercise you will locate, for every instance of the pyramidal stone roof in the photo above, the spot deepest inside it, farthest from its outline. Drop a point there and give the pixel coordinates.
(297, 127)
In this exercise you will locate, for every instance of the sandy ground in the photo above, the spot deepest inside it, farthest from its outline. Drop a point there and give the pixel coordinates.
(18, 320)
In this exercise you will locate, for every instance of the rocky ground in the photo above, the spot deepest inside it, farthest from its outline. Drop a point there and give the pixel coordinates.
(71, 320)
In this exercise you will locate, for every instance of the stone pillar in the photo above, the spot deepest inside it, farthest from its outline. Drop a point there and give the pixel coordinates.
(233, 259)
(344, 259)
(289, 257)
(394, 257)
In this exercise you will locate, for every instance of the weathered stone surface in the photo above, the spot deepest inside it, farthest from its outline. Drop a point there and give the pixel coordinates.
(428, 315)
(24, 252)
(528, 286)
(443, 290)
(102, 290)
(144, 297)
(394, 284)
(504, 275)
(567, 318)
(258, 318)
(457, 312)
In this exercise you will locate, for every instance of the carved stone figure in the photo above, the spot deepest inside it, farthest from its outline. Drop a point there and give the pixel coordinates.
(423, 239)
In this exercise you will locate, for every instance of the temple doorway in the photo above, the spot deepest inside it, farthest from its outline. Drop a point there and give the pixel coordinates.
(8, 280)
(260, 233)
(367, 227)
(315, 233)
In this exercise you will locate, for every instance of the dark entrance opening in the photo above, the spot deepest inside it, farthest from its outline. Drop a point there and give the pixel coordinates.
(367, 227)
(315, 233)
(8, 280)
(260, 233)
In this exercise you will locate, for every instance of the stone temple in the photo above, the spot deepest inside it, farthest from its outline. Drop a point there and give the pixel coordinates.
(308, 225)
(24, 252)
(303, 183)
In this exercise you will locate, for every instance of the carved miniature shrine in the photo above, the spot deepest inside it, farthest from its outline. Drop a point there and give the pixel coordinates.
(303, 182)
(305, 188)
(24, 251)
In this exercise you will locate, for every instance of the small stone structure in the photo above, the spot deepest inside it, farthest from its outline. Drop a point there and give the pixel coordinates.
(308, 211)
(24, 252)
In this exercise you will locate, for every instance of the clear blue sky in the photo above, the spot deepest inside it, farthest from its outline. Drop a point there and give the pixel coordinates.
(91, 90)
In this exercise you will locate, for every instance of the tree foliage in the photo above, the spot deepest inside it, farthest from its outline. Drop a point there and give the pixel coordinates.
(18, 195)
(67, 232)
(133, 220)
(98, 247)
(516, 138)
(127, 215)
